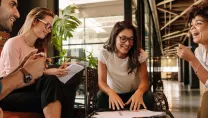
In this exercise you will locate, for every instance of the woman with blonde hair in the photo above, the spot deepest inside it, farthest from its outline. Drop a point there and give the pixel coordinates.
(47, 94)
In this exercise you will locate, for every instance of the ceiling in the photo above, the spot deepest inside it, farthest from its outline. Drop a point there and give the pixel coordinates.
(171, 15)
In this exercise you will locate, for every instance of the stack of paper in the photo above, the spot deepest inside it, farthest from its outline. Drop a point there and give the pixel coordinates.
(128, 114)
(73, 69)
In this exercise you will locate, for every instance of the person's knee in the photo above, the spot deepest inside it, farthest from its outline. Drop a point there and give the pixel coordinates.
(148, 99)
(52, 79)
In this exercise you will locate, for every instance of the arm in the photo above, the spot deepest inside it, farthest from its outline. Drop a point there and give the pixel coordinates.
(10, 57)
(201, 72)
(143, 77)
(102, 78)
(10, 83)
(35, 66)
(114, 100)
(137, 98)
(187, 55)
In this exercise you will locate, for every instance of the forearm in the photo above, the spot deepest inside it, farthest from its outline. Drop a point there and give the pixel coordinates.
(143, 86)
(143, 78)
(10, 83)
(201, 72)
(104, 87)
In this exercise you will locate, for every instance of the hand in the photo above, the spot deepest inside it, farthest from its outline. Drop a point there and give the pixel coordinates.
(185, 53)
(136, 100)
(115, 101)
(57, 71)
(63, 66)
(34, 65)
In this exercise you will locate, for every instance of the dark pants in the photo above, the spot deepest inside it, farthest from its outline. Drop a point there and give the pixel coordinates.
(102, 100)
(47, 89)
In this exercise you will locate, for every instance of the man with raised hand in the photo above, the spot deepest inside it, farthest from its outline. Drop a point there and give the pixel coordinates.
(33, 64)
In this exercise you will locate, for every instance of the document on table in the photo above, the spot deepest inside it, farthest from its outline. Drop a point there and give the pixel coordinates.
(128, 114)
(73, 69)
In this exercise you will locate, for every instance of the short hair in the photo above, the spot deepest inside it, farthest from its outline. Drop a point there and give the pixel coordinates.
(198, 10)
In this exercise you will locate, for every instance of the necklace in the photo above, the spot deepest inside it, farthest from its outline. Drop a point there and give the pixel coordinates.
(26, 42)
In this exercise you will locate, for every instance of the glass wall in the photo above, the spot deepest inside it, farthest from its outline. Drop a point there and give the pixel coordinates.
(97, 17)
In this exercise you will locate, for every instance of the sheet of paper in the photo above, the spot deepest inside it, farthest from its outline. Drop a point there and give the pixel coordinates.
(128, 114)
(73, 69)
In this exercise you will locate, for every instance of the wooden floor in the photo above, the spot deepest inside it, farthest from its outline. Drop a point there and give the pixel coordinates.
(183, 101)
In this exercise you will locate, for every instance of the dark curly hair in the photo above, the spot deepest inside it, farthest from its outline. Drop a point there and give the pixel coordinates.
(198, 10)
(134, 52)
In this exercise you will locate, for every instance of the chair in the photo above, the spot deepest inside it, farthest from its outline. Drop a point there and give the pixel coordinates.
(91, 81)
(8, 114)
(91, 87)
(72, 84)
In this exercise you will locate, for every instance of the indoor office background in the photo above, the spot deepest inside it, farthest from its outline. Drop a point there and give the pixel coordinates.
(181, 86)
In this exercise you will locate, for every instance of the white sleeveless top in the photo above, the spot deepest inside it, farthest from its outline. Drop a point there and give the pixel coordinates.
(118, 78)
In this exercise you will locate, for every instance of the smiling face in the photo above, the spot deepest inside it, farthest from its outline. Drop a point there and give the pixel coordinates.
(124, 42)
(199, 30)
(43, 26)
(8, 14)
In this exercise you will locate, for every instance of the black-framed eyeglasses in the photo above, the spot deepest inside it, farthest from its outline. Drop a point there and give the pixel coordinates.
(123, 39)
(47, 25)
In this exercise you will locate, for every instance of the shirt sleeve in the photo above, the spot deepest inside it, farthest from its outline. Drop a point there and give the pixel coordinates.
(103, 56)
(198, 53)
(143, 56)
(10, 56)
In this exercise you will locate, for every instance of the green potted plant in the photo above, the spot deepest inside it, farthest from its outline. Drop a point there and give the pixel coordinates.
(63, 27)
(92, 61)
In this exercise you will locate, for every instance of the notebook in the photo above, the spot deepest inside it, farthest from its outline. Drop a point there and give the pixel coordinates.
(73, 69)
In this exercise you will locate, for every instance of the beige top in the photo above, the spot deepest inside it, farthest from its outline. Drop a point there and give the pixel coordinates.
(118, 78)
(13, 53)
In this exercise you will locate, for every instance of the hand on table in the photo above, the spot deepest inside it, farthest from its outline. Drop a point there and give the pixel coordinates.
(115, 101)
(136, 100)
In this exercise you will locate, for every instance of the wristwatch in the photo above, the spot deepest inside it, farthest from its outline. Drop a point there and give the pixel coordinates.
(27, 75)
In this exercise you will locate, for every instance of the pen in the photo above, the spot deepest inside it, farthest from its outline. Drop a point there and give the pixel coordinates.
(120, 113)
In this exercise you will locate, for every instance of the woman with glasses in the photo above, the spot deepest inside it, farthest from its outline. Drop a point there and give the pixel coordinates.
(122, 71)
(47, 94)
(198, 22)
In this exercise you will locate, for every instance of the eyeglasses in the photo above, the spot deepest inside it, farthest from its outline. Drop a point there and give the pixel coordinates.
(123, 39)
(47, 25)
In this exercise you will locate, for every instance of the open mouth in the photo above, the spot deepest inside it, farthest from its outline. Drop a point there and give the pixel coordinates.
(195, 34)
(125, 47)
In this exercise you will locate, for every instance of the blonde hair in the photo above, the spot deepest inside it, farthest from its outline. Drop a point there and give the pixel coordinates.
(34, 15)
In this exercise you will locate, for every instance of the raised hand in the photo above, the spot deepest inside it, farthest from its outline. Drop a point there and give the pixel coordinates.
(185, 53)
(35, 65)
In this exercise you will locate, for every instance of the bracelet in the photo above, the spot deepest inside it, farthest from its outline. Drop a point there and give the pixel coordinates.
(197, 68)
